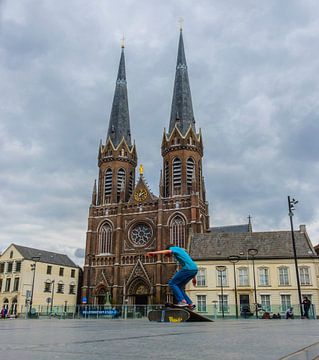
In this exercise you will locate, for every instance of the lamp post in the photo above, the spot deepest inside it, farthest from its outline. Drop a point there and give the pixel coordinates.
(33, 268)
(234, 260)
(253, 253)
(52, 294)
(220, 270)
(291, 207)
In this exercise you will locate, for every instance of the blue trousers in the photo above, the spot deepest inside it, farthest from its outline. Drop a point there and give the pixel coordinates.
(178, 282)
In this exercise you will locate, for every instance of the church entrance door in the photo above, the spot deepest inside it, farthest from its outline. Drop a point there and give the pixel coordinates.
(141, 299)
(141, 302)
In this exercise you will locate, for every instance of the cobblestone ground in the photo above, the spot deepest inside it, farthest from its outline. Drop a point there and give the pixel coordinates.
(141, 339)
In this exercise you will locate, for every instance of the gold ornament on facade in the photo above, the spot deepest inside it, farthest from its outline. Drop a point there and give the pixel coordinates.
(141, 290)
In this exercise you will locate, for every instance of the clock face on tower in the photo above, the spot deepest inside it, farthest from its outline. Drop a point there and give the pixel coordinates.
(140, 195)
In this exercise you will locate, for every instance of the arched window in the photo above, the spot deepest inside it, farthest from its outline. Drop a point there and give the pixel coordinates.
(304, 274)
(199, 181)
(263, 276)
(60, 288)
(166, 179)
(243, 276)
(108, 184)
(177, 231)
(131, 183)
(177, 175)
(189, 171)
(201, 277)
(120, 181)
(105, 239)
(283, 275)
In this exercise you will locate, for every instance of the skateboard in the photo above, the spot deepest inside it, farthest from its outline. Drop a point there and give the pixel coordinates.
(193, 316)
(168, 315)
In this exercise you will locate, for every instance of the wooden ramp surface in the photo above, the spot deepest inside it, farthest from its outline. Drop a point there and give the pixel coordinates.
(196, 317)
(193, 316)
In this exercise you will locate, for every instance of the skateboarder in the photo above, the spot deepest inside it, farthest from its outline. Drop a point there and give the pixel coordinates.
(183, 276)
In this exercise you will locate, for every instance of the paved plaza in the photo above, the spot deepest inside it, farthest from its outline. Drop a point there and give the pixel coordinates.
(141, 339)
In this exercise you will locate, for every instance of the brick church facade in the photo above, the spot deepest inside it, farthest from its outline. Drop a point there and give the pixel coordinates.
(126, 220)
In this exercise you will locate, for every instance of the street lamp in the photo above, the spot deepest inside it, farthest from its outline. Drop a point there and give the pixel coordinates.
(33, 267)
(220, 270)
(291, 207)
(253, 253)
(52, 294)
(234, 260)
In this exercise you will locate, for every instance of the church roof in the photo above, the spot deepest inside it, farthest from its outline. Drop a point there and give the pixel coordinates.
(270, 244)
(182, 108)
(119, 125)
(230, 228)
(45, 256)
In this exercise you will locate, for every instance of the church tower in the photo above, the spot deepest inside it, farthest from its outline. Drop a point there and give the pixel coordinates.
(126, 220)
(182, 150)
(117, 158)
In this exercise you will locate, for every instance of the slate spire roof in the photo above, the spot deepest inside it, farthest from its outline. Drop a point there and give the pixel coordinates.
(182, 108)
(119, 125)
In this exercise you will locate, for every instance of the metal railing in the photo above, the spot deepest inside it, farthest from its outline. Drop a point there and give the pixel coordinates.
(213, 311)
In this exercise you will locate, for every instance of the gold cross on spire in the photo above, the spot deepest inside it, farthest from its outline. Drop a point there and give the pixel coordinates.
(181, 21)
(123, 42)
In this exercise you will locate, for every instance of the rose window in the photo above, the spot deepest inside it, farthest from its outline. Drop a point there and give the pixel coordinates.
(141, 234)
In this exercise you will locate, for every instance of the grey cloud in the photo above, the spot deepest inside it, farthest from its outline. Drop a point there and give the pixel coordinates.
(254, 80)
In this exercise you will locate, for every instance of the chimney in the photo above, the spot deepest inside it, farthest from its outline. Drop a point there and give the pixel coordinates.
(302, 228)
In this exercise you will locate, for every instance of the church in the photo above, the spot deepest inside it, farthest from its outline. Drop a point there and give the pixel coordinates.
(126, 220)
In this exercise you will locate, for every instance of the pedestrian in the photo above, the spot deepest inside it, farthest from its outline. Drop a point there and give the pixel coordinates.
(183, 276)
(289, 313)
(5, 312)
(306, 306)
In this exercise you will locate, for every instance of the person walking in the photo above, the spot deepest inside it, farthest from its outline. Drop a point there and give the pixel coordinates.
(306, 306)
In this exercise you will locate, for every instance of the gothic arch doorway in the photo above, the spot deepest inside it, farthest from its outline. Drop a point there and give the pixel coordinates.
(102, 296)
(14, 303)
(139, 292)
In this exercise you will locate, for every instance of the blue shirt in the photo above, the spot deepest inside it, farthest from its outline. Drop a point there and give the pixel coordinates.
(183, 258)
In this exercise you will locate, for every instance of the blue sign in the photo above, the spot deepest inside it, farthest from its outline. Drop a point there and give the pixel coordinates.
(84, 300)
(112, 312)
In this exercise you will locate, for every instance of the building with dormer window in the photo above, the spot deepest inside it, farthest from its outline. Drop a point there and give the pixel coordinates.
(53, 277)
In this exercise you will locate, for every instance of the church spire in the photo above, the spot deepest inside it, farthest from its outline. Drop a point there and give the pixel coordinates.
(119, 125)
(182, 109)
(94, 193)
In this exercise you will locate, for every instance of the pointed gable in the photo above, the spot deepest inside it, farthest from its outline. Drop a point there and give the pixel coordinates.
(139, 271)
(141, 192)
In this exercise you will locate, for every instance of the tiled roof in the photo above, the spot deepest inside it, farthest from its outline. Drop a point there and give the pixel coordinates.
(271, 244)
(45, 256)
(231, 228)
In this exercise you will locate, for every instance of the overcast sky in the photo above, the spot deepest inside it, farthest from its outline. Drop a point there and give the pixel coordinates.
(254, 76)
